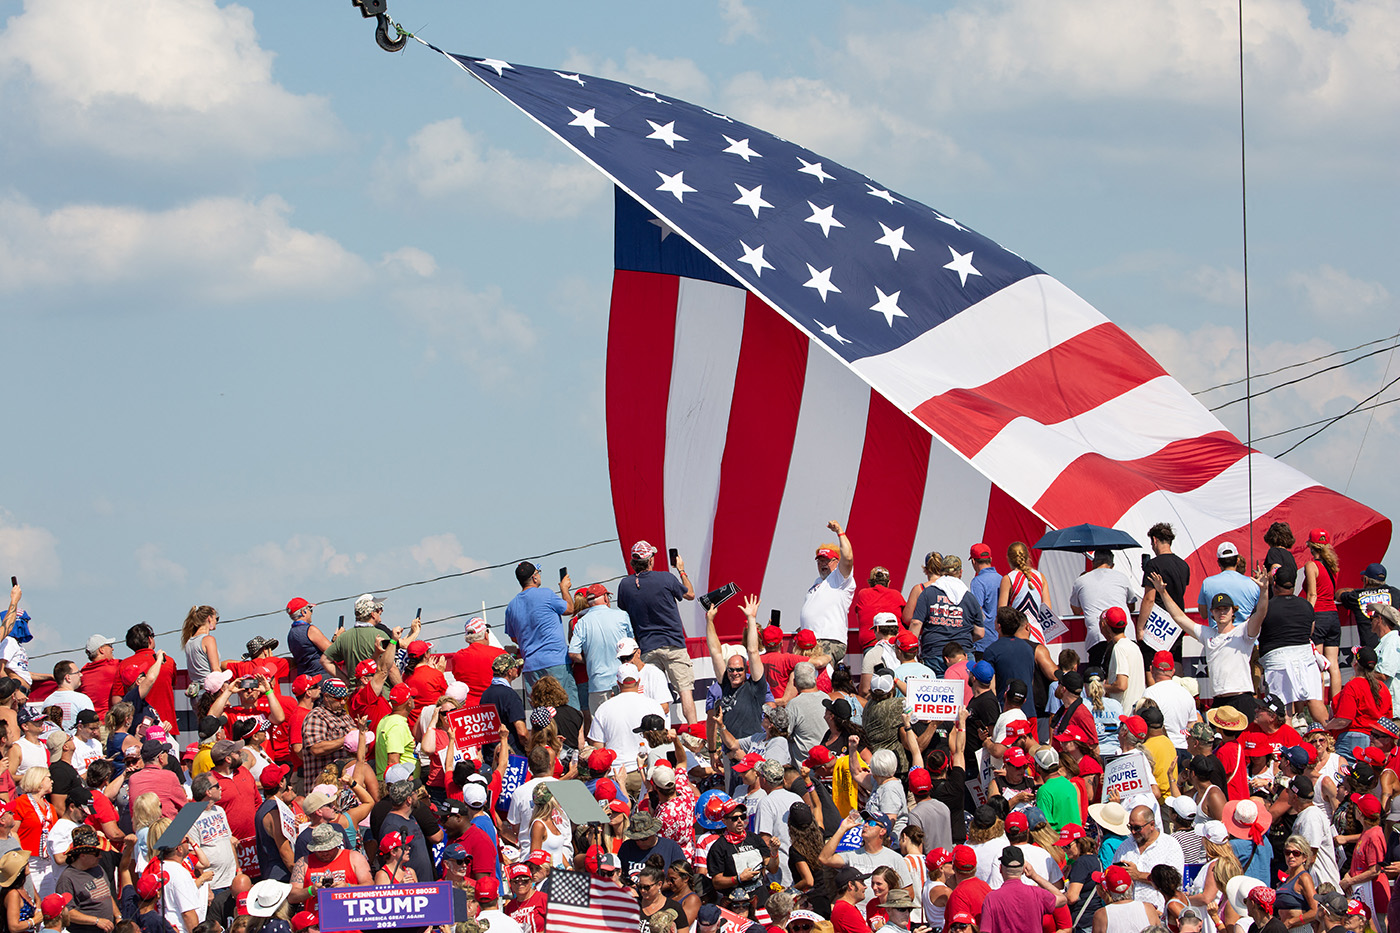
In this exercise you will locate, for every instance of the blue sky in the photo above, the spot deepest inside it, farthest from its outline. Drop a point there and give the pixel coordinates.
(287, 315)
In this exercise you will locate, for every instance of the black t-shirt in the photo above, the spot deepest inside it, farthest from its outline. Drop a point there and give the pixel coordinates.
(1385, 594)
(1281, 558)
(645, 926)
(568, 721)
(65, 779)
(634, 858)
(422, 813)
(152, 921)
(1175, 574)
(819, 897)
(743, 706)
(1288, 621)
(982, 713)
(510, 708)
(724, 855)
(950, 790)
(1081, 871)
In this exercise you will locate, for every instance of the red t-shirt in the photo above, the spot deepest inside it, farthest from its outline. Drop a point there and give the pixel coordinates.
(365, 702)
(1016, 908)
(1370, 852)
(279, 669)
(869, 601)
(529, 913)
(102, 811)
(99, 680)
(295, 714)
(1231, 755)
(1356, 703)
(278, 744)
(967, 897)
(162, 695)
(472, 666)
(426, 683)
(482, 852)
(846, 918)
(1284, 737)
(42, 690)
(777, 667)
(240, 801)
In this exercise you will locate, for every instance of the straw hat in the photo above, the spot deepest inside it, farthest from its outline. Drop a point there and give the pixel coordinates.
(1238, 888)
(1228, 718)
(1111, 816)
(13, 862)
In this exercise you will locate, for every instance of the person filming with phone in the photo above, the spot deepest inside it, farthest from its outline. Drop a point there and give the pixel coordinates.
(651, 600)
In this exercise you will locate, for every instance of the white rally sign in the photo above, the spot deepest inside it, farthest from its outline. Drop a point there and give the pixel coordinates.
(1160, 631)
(931, 700)
(1127, 774)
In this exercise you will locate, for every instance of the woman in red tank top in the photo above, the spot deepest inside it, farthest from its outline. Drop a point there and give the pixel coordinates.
(1319, 586)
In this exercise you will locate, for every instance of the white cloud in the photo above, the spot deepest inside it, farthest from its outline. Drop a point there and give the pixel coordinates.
(156, 569)
(220, 249)
(1330, 290)
(410, 260)
(479, 328)
(739, 20)
(169, 80)
(444, 159)
(676, 77)
(1216, 285)
(443, 554)
(28, 552)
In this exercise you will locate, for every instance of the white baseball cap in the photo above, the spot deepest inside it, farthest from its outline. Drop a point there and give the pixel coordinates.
(1227, 549)
(628, 672)
(626, 647)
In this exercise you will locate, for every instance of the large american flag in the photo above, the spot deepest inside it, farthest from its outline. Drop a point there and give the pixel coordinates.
(905, 346)
(583, 903)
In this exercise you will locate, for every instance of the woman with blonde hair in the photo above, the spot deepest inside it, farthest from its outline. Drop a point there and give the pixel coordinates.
(34, 819)
(1319, 588)
(1024, 588)
(1222, 864)
(145, 812)
(551, 831)
(1296, 905)
(933, 569)
(197, 640)
(1106, 710)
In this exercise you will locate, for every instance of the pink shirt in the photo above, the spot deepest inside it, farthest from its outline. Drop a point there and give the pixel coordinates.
(164, 784)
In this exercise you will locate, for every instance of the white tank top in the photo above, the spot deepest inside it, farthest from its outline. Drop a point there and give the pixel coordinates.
(31, 755)
(1129, 917)
(556, 845)
(933, 914)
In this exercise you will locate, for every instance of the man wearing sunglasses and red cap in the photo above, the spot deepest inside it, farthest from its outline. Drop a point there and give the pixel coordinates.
(828, 601)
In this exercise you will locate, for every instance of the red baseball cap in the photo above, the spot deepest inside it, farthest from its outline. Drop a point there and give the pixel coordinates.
(1163, 661)
(1369, 806)
(937, 859)
(919, 779)
(1074, 734)
(619, 806)
(419, 648)
(487, 888)
(1069, 833)
(55, 904)
(830, 553)
(748, 763)
(772, 635)
(366, 668)
(605, 789)
(601, 759)
(297, 604)
(980, 551)
(1017, 822)
(538, 857)
(399, 695)
(732, 804)
(819, 756)
(1019, 727)
(1134, 724)
(272, 775)
(148, 885)
(305, 682)
(1016, 757)
(1116, 618)
(806, 638)
(906, 641)
(518, 870)
(964, 858)
(1318, 536)
(1116, 879)
(305, 920)
(961, 918)
(1089, 765)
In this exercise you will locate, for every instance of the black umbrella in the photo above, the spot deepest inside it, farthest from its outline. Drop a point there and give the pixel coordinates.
(1086, 538)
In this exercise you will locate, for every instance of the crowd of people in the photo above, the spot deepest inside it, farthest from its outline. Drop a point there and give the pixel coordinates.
(791, 785)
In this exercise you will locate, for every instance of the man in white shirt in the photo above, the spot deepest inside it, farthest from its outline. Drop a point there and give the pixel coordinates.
(1125, 681)
(1145, 848)
(617, 723)
(67, 697)
(829, 599)
(1312, 824)
(1177, 705)
(772, 820)
(654, 682)
(1097, 591)
(87, 747)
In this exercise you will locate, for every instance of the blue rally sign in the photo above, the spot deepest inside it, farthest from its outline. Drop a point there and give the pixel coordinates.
(383, 906)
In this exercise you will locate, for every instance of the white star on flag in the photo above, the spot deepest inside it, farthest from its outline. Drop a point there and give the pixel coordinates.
(754, 257)
(496, 65)
(894, 239)
(676, 185)
(962, 265)
(949, 221)
(888, 305)
(569, 77)
(883, 195)
(650, 94)
(740, 148)
(821, 281)
(814, 169)
(719, 116)
(751, 198)
(586, 119)
(825, 217)
(666, 229)
(830, 331)
(667, 134)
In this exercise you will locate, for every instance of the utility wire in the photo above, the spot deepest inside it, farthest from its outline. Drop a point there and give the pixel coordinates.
(1369, 421)
(1244, 251)
(1331, 421)
(1311, 424)
(1316, 359)
(1327, 369)
(388, 589)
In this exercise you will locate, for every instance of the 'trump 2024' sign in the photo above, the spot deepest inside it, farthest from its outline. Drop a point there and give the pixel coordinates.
(383, 906)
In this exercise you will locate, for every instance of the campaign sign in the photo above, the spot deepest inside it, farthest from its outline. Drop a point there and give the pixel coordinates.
(1369, 598)
(474, 726)
(513, 778)
(1160, 631)
(1052, 626)
(933, 700)
(850, 842)
(384, 906)
(1126, 774)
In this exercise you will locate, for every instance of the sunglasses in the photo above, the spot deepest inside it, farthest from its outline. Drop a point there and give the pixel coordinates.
(801, 926)
(737, 815)
(1138, 827)
(647, 887)
(520, 880)
(1292, 853)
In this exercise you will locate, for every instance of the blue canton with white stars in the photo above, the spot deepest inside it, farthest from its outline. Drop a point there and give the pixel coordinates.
(861, 268)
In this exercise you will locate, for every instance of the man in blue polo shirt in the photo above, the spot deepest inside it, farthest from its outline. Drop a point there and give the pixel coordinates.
(534, 623)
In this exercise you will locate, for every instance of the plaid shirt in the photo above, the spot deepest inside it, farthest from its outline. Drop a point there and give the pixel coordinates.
(321, 725)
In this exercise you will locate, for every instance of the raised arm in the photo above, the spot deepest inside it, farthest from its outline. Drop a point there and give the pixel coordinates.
(751, 637)
(1261, 608)
(847, 566)
(713, 643)
(1159, 587)
(148, 679)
